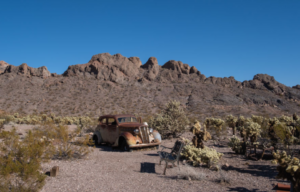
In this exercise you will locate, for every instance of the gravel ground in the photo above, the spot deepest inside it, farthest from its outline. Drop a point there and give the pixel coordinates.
(111, 170)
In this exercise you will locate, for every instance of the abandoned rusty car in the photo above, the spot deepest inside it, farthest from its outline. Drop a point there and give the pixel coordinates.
(126, 132)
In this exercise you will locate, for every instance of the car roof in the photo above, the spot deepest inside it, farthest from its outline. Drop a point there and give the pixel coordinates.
(119, 115)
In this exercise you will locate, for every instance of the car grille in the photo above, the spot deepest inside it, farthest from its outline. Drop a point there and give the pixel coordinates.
(144, 134)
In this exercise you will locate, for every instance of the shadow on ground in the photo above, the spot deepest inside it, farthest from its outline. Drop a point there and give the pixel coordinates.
(242, 189)
(257, 170)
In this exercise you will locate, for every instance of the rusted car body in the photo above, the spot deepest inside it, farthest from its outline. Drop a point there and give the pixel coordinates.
(126, 132)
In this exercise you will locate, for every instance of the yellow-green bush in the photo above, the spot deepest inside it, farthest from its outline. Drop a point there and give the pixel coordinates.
(171, 121)
(231, 122)
(288, 168)
(236, 145)
(198, 156)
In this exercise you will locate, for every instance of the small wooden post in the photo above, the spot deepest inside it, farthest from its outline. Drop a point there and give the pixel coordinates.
(54, 171)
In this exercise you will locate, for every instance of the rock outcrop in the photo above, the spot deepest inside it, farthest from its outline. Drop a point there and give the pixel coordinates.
(152, 68)
(225, 82)
(24, 69)
(115, 68)
(265, 82)
(177, 66)
(3, 66)
(296, 87)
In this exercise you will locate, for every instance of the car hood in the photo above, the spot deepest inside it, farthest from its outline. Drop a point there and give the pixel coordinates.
(133, 125)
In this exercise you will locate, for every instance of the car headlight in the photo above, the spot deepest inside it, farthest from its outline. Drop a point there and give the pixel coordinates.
(136, 131)
(151, 130)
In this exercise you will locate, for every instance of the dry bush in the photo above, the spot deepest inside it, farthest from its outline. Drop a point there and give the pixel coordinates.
(188, 173)
(66, 145)
(223, 177)
(20, 162)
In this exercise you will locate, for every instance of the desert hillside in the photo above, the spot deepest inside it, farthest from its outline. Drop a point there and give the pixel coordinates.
(117, 84)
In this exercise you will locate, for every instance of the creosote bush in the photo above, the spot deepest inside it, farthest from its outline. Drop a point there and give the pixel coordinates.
(171, 121)
(20, 162)
(20, 159)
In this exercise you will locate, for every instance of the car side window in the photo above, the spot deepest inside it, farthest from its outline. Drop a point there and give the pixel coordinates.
(111, 121)
(103, 121)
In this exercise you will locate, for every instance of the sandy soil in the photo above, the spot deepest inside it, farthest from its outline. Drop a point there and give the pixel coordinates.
(111, 170)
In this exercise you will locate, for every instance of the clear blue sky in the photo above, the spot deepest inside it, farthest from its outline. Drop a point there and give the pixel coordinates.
(221, 38)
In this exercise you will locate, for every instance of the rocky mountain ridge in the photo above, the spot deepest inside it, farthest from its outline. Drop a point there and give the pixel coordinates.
(108, 76)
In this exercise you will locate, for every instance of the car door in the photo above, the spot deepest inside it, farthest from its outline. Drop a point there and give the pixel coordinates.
(113, 132)
(104, 129)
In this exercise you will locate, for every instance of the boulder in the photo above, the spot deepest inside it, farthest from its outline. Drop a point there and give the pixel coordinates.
(193, 70)
(3, 66)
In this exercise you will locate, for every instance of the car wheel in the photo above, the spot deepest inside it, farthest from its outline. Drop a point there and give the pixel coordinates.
(124, 146)
(96, 140)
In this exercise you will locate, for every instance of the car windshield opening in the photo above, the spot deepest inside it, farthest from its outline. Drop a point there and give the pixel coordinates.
(127, 119)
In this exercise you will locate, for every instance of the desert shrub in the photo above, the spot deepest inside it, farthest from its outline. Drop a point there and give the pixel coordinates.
(20, 162)
(198, 156)
(236, 145)
(66, 145)
(284, 133)
(171, 121)
(83, 121)
(188, 173)
(288, 168)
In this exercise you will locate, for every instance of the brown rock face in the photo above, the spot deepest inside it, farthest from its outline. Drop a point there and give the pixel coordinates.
(3, 66)
(115, 68)
(24, 69)
(152, 68)
(296, 87)
(225, 82)
(177, 66)
(265, 82)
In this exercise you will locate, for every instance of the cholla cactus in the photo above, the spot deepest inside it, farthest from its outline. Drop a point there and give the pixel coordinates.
(252, 130)
(286, 119)
(231, 122)
(288, 168)
(257, 119)
(236, 145)
(198, 156)
(216, 124)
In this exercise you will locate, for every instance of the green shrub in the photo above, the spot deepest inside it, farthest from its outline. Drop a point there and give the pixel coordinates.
(171, 121)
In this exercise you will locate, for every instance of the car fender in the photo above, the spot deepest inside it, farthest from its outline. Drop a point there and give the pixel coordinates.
(98, 134)
(130, 139)
(157, 136)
